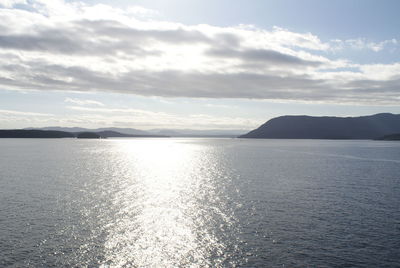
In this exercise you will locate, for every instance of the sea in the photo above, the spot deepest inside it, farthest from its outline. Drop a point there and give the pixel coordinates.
(199, 202)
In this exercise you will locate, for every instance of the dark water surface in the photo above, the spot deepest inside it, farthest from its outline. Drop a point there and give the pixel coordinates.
(199, 203)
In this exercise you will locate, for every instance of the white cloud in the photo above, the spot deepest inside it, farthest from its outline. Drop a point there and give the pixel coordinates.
(220, 106)
(15, 119)
(21, 113)
(94, 117)
(362, 44)
(72, 46)
(11, 3)
(83, 102)
(144, 119)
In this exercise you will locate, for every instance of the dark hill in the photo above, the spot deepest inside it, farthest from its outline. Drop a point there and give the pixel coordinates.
(127, 131)
(309, 127)
(391, 137)
(115, 134)
(39, 133)
(88, 135)
(20, 133)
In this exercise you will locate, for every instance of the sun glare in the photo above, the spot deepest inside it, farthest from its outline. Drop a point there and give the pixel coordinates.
(161, 206)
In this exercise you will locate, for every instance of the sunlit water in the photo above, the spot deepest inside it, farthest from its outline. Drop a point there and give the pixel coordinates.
(199, 203)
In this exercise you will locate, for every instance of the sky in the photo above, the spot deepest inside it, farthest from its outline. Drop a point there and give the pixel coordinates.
(191, 64)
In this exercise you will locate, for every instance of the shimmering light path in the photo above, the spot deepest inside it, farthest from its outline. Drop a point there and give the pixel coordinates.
(170, 212)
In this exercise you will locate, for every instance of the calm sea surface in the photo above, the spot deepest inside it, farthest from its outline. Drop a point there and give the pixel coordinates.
(199, 203)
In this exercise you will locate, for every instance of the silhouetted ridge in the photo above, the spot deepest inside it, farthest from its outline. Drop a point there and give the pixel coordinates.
(309, 127)
(88, 135)
(115, 134)
(392, 137)
(20, 133)
(38, 133)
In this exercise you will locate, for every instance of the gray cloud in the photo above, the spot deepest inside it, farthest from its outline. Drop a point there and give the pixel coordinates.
(73, 41)
(119, 31)
(86, 37)
(201, 85)
(51, 42)
(266, 56)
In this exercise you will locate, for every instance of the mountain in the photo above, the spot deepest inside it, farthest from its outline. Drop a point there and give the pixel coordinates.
(115, 134)
(197, 133)
(24, 133)
(391, 137)
(64, 129)
(38, 133)
(130, 131)
(310, 127)
(88, 135)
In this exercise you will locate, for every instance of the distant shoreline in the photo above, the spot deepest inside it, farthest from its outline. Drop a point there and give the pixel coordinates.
(54, 134)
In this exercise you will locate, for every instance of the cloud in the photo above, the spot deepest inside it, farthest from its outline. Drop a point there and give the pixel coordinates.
(362, 44)
(18, 118)
(219, 106)
(72, 46)
(21, 113)
(127, 117)
(83, 102)
(266, 56)
(11, 3)
(148, 119)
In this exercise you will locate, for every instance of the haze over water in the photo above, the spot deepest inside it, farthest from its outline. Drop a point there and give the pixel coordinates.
(199, 203)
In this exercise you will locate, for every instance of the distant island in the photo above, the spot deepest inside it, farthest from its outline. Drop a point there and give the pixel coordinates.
(310, 127)
(23, 133)
(88, 135)
(55, 134)
(392, 137)
(132, 132)
(112, 132)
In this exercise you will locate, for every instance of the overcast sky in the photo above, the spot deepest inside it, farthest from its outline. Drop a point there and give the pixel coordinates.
(209, 64)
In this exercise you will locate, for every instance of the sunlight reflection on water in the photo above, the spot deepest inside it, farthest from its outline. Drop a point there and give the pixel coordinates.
(169, 211)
